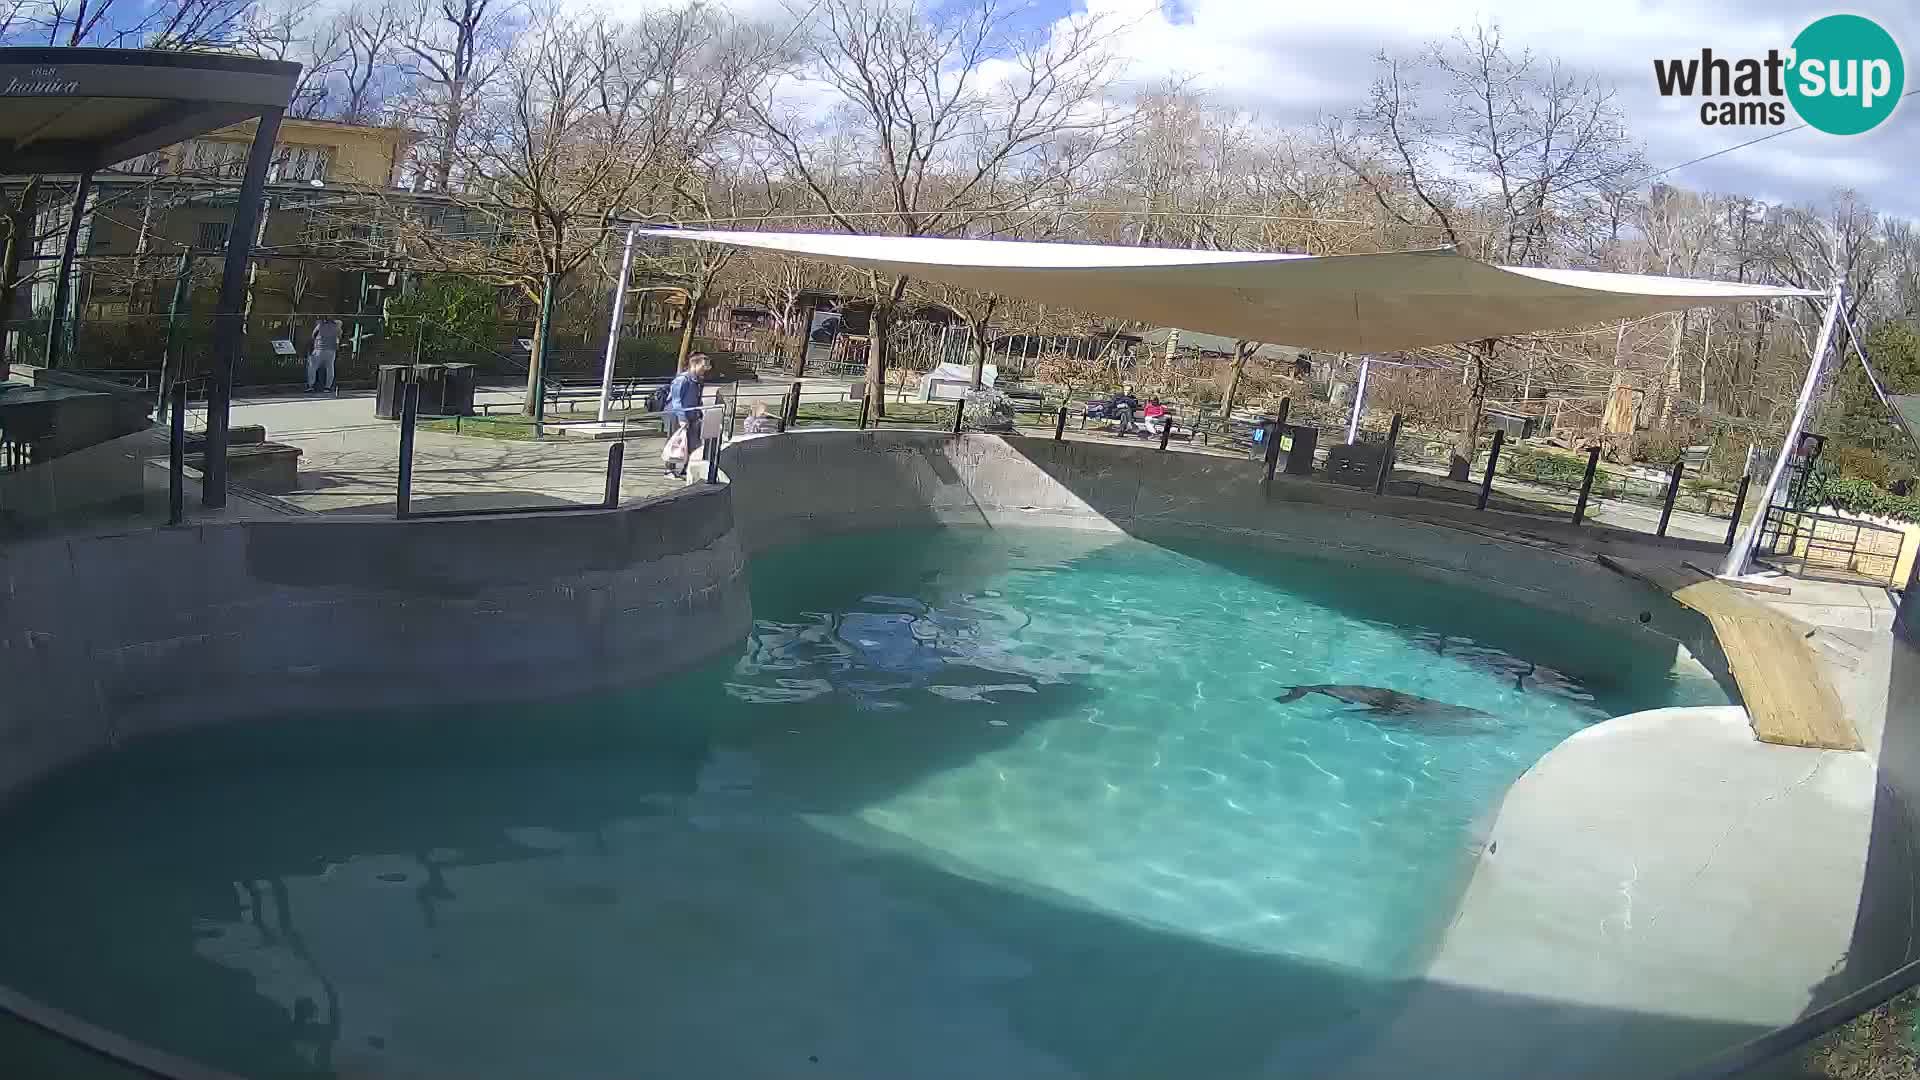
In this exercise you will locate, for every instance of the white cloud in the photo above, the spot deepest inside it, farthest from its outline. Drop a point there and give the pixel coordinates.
(1296, 59)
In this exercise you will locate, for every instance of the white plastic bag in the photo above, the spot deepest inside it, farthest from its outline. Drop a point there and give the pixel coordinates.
(675, 452)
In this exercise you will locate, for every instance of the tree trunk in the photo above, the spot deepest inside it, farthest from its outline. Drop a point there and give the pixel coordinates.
(877, 350)
(1241, 351)
(696, 301)
(443, 160)
(1706, 350)
(804, 336)
(1670, 384)
(1467, 442)
(541, 336)
(978, 328)
(19, 238)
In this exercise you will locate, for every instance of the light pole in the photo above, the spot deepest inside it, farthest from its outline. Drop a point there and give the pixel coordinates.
(1736, 563)
(1359, 396)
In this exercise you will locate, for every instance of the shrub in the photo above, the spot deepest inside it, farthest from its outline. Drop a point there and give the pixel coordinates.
(1860, 463)
(1661, 447)
(459, 315)
(1526, 463)
(1859, 496)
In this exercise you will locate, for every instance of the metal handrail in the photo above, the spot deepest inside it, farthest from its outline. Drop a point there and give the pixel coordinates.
(1771, 1046)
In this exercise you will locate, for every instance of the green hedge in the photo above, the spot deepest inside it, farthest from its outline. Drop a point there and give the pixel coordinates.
(1528, 464)
(1863, 497)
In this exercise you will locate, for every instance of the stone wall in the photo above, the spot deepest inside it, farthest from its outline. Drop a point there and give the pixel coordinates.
(112, 637)
(812, 483)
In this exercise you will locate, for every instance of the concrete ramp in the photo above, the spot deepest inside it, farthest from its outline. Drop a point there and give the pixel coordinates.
(1788, 698)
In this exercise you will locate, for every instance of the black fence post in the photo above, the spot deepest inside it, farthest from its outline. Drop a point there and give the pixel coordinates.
(959, 415)
(1273, 443)
(1493, 458)
(1166, 430)
(1060, 425)
(616, 455)
(864, 406)
(1586, 484)
(1386, 457)
(793, 408)
(1739, 504)
(409, 414)
(711, 448)
(177, 455)
(1673, 492)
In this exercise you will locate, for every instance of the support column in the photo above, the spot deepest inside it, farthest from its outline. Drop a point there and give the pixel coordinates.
(613, 330)
(63, 285)
(228, 333)
(170, 366)
(1736, 561)
(1359, 398)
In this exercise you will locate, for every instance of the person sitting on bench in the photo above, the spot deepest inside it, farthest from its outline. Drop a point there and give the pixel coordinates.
(1122, 407)
(1156, 416)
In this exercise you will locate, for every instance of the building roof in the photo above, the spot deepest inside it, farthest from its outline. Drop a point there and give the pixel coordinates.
(72, 110)
(1339, 303)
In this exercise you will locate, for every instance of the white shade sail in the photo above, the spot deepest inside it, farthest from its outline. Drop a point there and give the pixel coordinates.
(1338, 303)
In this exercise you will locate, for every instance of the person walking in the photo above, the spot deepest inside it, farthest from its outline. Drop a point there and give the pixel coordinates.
(683, 409)
(326, 344)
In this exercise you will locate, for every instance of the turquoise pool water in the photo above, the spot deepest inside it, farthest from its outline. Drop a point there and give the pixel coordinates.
(968, 803)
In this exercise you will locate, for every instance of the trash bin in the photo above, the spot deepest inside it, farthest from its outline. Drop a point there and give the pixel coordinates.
(387, 385)
(460, 381)
(433, 388)
(1300, 456)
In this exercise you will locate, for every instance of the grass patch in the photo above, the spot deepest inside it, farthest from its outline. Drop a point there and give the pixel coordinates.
(1881, 1045)
(484, 427)
(519, 426)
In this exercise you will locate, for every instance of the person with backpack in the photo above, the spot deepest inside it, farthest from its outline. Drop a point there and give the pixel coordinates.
(683, 411)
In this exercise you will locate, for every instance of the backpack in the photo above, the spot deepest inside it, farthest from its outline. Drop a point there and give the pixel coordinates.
(657, 399)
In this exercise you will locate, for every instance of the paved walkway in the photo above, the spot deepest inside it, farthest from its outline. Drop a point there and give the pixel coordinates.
(349, 461)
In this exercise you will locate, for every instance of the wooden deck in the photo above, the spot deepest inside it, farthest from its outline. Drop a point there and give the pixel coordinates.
(1788, 699)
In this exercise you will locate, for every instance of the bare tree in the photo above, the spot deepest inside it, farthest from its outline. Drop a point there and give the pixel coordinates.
(453, 48)
(292, 30)
(594, 122)
(952, 142)
(1523, 149)
(371, 32)
(163, 24)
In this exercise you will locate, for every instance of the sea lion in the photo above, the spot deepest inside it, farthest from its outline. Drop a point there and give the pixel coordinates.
(1385, 703)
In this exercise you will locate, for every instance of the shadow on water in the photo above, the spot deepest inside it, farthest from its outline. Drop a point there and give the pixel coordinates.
(919, 972)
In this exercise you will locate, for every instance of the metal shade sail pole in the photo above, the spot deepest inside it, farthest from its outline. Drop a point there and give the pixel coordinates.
(1736, 561)
(228, 333)
(613, 330)
(59, 326)
(1359, 396)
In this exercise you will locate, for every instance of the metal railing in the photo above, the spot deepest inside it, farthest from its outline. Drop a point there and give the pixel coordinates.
(1828, 547)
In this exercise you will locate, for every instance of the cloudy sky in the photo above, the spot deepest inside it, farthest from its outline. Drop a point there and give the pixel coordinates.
(1294, 59)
